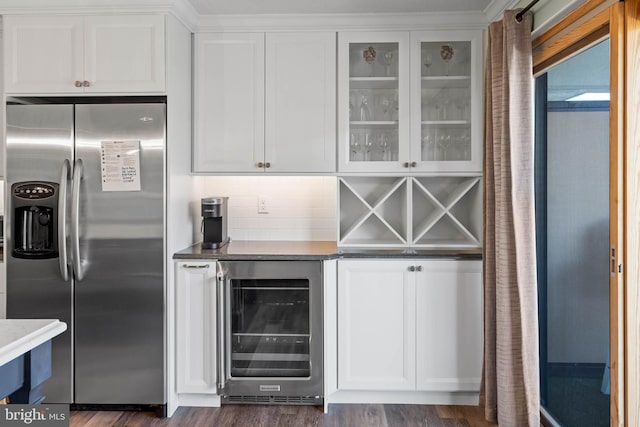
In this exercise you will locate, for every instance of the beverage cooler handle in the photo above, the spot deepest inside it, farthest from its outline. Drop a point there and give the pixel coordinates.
(78, 171)
(221, 279)
(62, 221)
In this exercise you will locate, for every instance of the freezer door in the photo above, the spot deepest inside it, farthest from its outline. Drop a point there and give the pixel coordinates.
(39, 140)
(119, 302)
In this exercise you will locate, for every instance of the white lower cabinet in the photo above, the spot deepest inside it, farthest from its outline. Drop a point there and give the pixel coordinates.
(448, 325)
(196, 327)
(409, 325)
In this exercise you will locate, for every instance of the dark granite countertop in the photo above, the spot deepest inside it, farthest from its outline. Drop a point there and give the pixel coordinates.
(311, 250)
(263, 250)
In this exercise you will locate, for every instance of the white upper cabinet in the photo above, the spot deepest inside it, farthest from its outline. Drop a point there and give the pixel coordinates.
(124, 53)
(228, 102)
(301, 102)
(409, 102)
(264, 103)
(91, 54)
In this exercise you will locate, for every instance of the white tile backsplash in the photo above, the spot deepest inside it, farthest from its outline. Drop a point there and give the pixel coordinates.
(300, 207)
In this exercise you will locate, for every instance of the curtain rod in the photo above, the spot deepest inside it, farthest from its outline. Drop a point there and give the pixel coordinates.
(520, 14)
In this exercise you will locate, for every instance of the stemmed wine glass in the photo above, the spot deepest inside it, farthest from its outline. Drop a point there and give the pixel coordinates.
(369, 55)
(446, 53)
(444, 141)
(365, 113)
(427, 61)
(427, 147)
(387, 57)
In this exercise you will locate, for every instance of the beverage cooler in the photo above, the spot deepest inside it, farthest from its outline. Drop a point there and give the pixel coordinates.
(270, 332)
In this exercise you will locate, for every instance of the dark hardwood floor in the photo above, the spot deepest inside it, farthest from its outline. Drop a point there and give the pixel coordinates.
(294, 416)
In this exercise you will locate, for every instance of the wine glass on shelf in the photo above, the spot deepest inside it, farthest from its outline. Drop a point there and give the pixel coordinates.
(445, 100)
(369, 54)
(444, 142)
(365, 113)
(427, 61)
(461, 102)
(383, 147)
(368, 146)
(465, 141)
(446, 54)
(387, 58)
(355, 146)
(385, 103)
(427, 146)
(352, 108)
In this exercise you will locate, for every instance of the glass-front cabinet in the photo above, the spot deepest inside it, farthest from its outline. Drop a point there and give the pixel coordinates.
(410, 102)
(373, 101)
(446, 106)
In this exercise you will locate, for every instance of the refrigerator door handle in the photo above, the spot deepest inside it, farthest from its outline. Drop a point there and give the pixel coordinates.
(221, 278)
(78, 171)
(62, 221)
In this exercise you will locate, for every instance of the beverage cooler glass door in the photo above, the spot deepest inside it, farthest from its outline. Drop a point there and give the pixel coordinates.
(270, 328)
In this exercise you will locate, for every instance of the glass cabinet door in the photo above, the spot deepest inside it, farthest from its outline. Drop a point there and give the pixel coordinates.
(373, 101)
(446, 135)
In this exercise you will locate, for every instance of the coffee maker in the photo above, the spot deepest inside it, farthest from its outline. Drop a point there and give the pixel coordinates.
(214, 222)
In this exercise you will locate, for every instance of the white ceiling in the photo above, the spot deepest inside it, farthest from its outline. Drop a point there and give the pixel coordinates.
(233, 7)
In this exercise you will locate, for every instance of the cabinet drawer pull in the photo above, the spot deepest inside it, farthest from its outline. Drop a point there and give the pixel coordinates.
(260, 165)
(267, 165)
(405, 164)
(412, 268)
(77, 83)
(414, 164)
(86, 83)
(195, 266)
(418, 268)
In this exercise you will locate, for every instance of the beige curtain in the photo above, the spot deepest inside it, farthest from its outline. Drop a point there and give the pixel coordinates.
(510, 389)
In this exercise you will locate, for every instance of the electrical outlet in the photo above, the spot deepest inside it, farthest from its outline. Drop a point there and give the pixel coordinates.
(262, 205)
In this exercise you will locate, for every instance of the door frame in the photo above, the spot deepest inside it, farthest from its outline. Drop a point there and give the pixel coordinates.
(592, 22)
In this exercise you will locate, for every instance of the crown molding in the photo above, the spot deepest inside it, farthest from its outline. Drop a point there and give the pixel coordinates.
(496, 8)
(181, 9)
(343, 22)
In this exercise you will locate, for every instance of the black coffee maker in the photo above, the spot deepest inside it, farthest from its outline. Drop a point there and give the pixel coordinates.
(214, 222)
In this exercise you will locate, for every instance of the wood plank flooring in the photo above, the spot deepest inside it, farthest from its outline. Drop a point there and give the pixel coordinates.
(294, 416)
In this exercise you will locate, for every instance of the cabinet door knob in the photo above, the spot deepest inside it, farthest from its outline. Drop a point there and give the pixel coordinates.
(418, 268)
(405, 164)
(412, 268)
(86, 83)
(77, 83)
(267, 165)
(414, 164)
(260, 164)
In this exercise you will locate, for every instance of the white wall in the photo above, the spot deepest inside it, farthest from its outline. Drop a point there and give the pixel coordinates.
(300, 208)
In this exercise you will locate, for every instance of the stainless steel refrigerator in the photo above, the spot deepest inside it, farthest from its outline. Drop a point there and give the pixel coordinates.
(85, 243)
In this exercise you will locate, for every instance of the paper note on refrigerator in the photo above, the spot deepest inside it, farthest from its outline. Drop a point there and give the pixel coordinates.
(120, 164)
